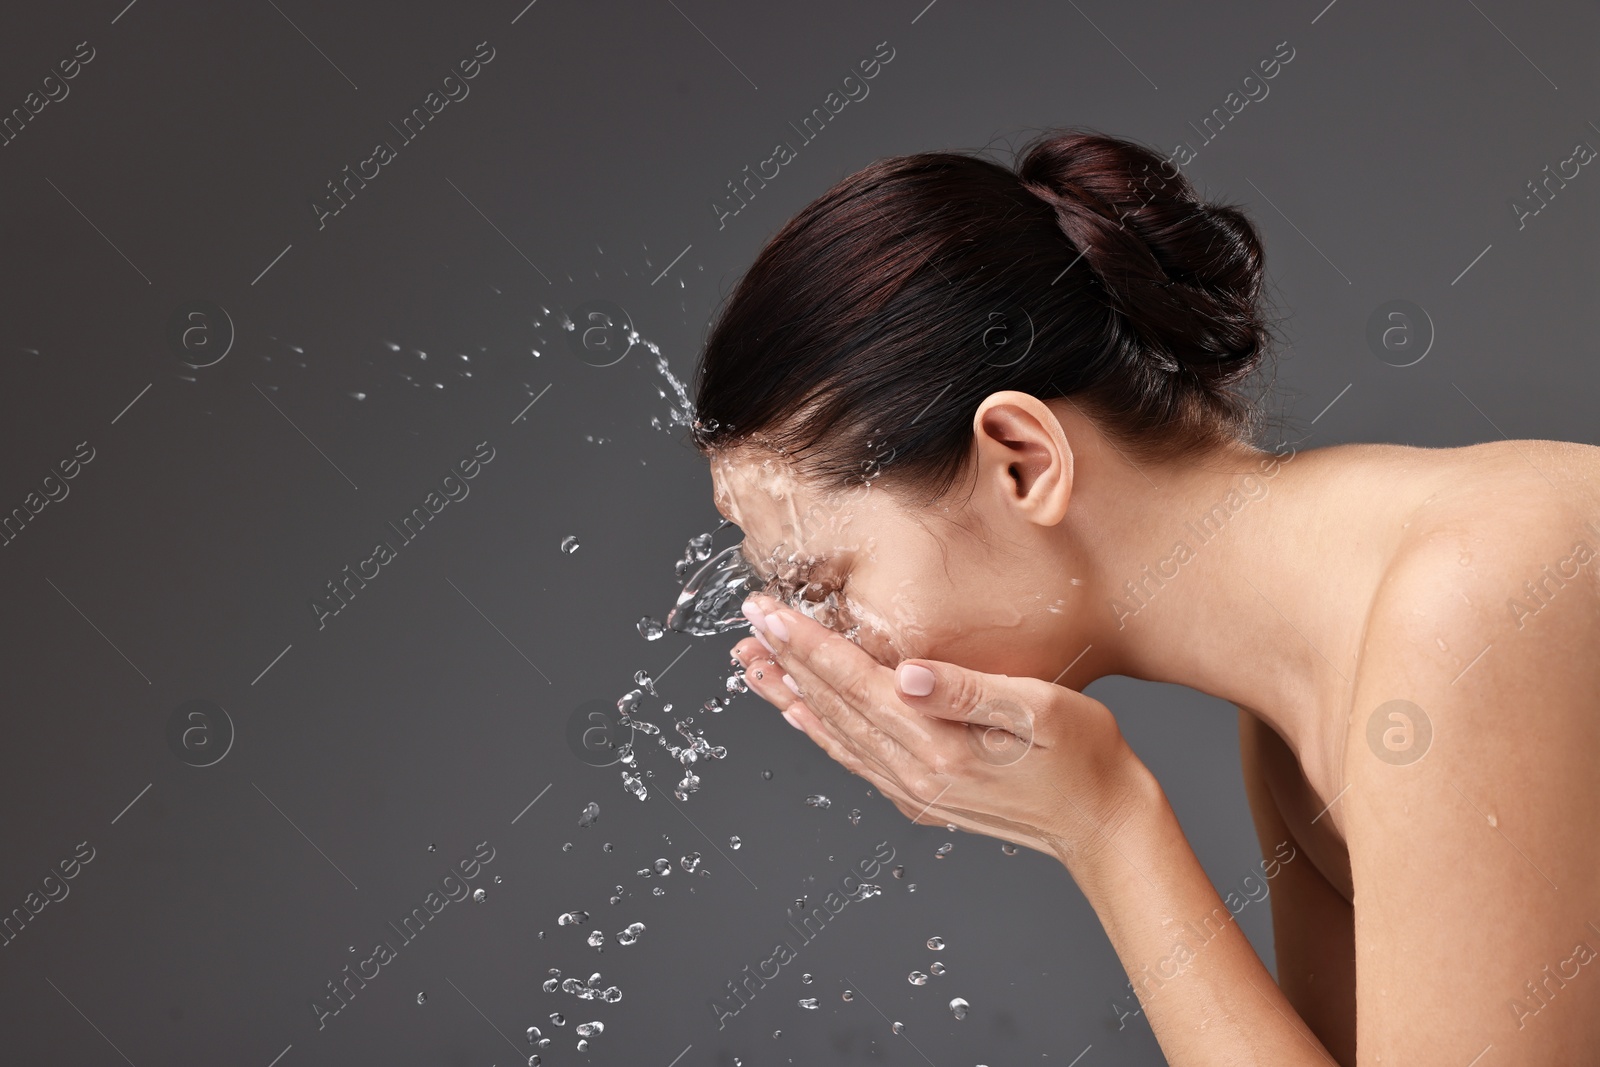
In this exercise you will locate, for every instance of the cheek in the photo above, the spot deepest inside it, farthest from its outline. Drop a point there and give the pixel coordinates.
(902, 629)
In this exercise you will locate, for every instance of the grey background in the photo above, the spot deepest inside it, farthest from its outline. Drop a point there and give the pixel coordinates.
(434, 708)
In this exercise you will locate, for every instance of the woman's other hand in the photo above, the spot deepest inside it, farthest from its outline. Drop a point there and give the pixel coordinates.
(1020, 759)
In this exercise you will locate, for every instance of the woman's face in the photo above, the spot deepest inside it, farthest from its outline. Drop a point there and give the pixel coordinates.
(904, 584)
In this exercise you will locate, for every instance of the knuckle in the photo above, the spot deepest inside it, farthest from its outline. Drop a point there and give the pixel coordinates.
(856, 689)
(965, 693)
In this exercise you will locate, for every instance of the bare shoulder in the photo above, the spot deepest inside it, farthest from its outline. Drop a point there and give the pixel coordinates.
(1473, 805)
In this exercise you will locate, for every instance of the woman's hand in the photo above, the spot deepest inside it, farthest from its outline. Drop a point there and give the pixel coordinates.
(1016, 758)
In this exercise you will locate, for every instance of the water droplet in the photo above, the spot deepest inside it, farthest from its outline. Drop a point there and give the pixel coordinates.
(534, 1033)
(958, 1008)
(534, 1060)
(734, 842)
(569, 544)
(479, 895)
(497, 879)
(1442, 646)
(557, 1018)
(766, 775)
(1492, 820)
(1008, 848)
(936, 943)
(848, 995)
(422, 998)
(433, 848)
(911, 887)
(590, 1029)
(650, 629)
(690, 863)
(809, 1003)
(855, 816)
(567, 847)
(583, 1044)
(663, 866)
(777, 1034)
(608, 847)
(551, 985)
(942, 851)
(817, 800)
(643, 680)
(899, 870)
(899, 1028)
(936, 968)
(658, 891)
(572, 918)
(591, 812)
(805, 979)
(917, 978)
(596, 939)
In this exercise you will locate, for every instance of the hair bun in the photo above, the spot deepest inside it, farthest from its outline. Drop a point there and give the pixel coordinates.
(1185, 274)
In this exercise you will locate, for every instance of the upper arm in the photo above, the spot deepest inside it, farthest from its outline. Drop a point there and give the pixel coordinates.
(1476, 856)
(1312, 932)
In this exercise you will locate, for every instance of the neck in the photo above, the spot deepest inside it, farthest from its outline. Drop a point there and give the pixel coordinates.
(1242, 575)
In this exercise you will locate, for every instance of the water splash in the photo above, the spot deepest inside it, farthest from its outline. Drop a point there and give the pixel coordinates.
(711, 600)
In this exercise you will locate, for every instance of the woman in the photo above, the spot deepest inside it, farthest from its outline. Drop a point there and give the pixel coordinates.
(987, 435)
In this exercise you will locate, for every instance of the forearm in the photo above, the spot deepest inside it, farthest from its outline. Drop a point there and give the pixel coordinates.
(1204, 990)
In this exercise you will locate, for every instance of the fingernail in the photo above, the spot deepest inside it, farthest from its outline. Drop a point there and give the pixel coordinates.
(776, 627)
(752, 611)
(767, 644)
(788, 680)
(915, 679)
(789, 718)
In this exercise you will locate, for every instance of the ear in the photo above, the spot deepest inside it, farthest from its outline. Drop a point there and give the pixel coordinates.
(1023, 455)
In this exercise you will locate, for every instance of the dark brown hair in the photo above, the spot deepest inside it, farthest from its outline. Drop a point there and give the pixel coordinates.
(873, 323)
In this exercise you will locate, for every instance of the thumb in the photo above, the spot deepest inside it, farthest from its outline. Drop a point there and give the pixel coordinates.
(992, 702)
(940, 689)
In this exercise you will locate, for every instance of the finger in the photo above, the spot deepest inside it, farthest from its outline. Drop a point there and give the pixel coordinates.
(842, 682)
(991, 701)
(765, 676)
(838, 749)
